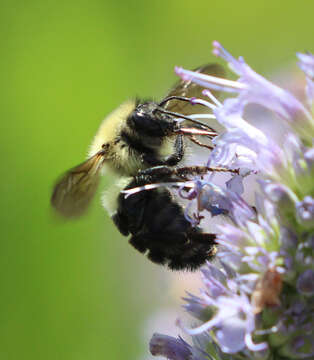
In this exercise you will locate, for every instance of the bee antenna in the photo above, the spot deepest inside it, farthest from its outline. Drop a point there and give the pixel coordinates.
(178, 115)
(174, 97)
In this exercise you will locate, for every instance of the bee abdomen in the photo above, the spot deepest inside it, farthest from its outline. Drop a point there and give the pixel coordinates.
(159, 228)
(176, 250)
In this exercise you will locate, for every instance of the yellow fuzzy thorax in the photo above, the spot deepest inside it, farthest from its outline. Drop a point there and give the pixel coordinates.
(121, 163)
(111, 126)
(122, 160)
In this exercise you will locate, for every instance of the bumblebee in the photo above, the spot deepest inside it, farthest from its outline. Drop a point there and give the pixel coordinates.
(143, 142)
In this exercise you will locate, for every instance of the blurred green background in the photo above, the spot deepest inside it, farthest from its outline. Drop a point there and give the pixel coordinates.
(77, 290)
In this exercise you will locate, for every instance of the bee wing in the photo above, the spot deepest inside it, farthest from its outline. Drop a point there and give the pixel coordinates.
(73, 192)
(190, 89)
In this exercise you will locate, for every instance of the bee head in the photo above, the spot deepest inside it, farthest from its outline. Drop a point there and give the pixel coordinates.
(146, 119)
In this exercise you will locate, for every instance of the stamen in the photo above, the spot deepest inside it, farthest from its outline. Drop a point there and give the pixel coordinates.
(220, 51)
(200, 329)
(202, 116)
(215, 82)
(208, 93)
(203, 102)
(272, 330)
(252, 346)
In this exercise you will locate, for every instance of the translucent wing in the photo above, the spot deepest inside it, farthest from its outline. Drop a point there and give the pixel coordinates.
(73, 192)
(190, 89)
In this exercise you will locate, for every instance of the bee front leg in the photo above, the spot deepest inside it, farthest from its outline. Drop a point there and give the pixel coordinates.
(178, 154)
(170, 160)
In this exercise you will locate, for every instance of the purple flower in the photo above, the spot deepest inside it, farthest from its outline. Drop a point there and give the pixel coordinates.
(252, 88)
(196, 307)
(175, 349)
(260, 91)
(305, 283)
(305, 211)
(217, 201)
(306, 64)
(257, 296)
(235, 184)
(309, 158)
(278, 193)
(234, 319)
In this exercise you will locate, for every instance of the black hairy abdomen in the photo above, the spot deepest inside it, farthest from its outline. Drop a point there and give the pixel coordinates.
(158, 227)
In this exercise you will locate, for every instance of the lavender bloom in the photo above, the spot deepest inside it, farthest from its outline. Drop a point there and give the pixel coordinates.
(306, 64)
(253, 88)
(305, 282)
(305, 210)
(234, 319)
(257, 300)
(175, 349)
(218, 201)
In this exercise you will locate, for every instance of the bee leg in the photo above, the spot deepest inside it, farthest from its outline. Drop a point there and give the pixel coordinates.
(161, 173)
(178, 154)
(156, 173)
(170, 160)
(167, 173)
